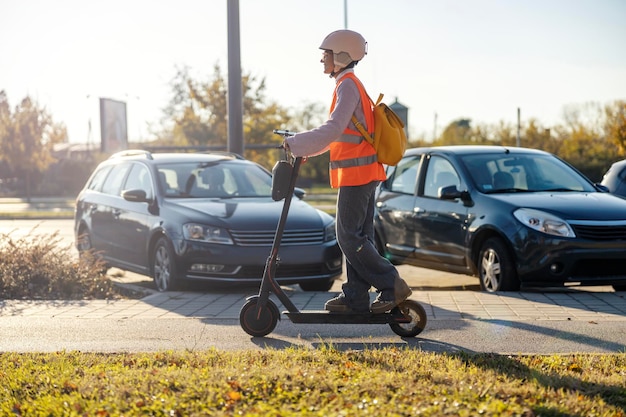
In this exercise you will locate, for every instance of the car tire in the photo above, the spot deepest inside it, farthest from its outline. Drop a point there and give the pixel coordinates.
(317, 285)
(85, 249)
(164, 266)
(496, 269)
(620, 287)
(83, 242)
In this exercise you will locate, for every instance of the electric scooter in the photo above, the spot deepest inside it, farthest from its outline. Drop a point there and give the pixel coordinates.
(259, 315)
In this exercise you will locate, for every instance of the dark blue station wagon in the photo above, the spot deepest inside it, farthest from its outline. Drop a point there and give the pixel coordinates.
(199, 216)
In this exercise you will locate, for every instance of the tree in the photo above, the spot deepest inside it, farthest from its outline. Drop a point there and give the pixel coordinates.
(197, 114)
(307, 117)
(27, 137)
(582, 140)
(456, 133)
(615, 124)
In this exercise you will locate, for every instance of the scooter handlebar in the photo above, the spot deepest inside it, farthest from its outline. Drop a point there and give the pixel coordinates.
(284, 133)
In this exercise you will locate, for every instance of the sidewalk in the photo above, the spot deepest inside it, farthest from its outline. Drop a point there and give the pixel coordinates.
(469, 321)
(439, 305)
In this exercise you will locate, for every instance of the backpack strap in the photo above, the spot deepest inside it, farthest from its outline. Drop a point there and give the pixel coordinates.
(359, 125)
(362, 130)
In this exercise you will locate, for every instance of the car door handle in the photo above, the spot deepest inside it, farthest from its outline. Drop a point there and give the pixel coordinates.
(418, 211)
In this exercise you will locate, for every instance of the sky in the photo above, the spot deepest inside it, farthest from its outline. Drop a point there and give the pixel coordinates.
(443, 59)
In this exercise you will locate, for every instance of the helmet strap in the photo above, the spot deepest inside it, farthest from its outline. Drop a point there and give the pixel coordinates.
(342, 69)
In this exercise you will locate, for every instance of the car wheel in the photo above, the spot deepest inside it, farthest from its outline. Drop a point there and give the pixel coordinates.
(85, 249)
(163, 266)
(83, 243)
(317, 285)
(620, 287)
(495, 267)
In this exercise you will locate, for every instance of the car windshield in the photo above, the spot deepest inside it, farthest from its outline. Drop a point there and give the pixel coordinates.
(213, 180)
(507, 173)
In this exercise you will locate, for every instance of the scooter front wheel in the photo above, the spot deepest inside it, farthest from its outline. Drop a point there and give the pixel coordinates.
(416, 313)
(258, 322)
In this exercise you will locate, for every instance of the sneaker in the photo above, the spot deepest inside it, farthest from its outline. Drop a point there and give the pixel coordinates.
(337, 305)
(385, 302)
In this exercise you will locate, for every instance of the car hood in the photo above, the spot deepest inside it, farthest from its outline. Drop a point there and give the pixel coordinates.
(570, 205)
(257, 213)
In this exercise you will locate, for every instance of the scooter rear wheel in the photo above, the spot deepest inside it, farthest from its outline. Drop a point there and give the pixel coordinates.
(416, 313)
(258, 323)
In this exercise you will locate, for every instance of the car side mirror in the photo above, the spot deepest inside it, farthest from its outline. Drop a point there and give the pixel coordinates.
(452, 193)
(299, 192)
(135, 195)
(602, 188)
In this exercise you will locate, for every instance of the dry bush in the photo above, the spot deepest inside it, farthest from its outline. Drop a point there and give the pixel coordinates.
(39, 266)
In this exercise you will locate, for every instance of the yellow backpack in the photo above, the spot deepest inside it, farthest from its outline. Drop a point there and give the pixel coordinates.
(389, 138)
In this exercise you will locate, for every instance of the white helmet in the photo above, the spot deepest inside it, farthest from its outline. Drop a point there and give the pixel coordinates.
(347, 47)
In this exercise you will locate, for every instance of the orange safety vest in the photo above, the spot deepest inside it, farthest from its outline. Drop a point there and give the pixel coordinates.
(352, 159)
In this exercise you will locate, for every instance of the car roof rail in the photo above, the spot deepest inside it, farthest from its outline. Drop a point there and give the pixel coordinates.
(224, 153)
(132, 152)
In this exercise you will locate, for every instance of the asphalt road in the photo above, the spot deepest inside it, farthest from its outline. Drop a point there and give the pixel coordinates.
(460, 317)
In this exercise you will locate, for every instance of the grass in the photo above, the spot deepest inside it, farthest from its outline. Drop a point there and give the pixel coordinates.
(289, 382)
(305, 382)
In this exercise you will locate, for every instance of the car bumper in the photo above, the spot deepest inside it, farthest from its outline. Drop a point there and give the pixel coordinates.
(224, 263)
(552, 261)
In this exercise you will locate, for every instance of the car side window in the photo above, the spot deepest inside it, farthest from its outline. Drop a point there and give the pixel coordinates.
(405, 175)
(139, 178)
(113, 182)
(440, 173)
(98, 178)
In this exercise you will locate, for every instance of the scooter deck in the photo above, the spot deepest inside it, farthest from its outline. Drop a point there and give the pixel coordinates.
(327, 317)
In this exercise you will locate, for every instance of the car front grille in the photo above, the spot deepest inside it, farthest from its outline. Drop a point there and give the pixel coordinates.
(600, 232)
(266, 237)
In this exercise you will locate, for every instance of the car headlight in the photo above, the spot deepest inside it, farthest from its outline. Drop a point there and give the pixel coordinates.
(203, 233)
(329, 232)
(544, 222)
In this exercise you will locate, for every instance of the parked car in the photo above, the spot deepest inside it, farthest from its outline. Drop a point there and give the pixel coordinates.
(200, 217)
(615, 178)
(511, 216)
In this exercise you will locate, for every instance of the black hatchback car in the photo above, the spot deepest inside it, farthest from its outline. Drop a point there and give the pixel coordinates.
(511, 216)
(200, 216)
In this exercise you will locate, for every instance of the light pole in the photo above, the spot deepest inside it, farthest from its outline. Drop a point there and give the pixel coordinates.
(235, 100)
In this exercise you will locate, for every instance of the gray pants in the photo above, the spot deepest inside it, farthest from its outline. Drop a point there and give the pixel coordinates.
(365, 268)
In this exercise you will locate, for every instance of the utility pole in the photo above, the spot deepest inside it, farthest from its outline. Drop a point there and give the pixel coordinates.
(519, 139)
(235, 99)
(345, 14)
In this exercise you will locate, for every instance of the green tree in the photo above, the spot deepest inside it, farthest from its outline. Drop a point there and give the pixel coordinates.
(27, 137)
